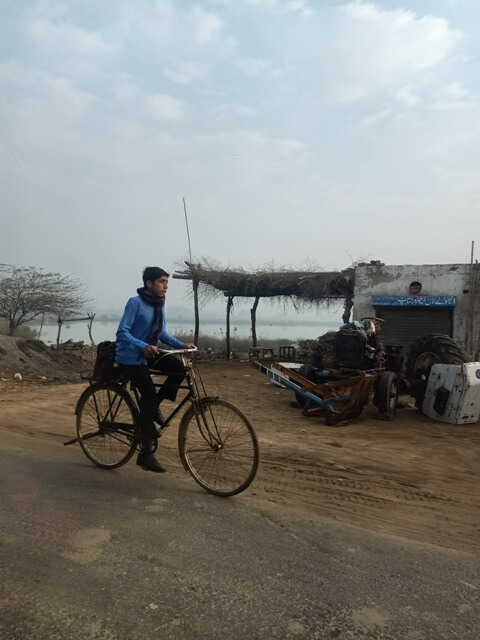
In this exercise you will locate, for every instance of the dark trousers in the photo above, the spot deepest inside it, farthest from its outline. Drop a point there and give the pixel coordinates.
(139, 375)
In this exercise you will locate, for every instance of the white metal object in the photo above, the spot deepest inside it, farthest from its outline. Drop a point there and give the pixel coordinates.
(293, 366)
(453, 393)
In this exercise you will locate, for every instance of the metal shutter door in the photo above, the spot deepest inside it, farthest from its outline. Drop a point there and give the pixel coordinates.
(404, 325)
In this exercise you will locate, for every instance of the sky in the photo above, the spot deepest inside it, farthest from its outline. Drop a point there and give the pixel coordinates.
(299, 134)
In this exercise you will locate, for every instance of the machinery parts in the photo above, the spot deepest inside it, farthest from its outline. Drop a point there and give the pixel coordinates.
(425, 352)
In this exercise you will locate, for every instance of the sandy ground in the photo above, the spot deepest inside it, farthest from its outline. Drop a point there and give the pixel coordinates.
(411, 477)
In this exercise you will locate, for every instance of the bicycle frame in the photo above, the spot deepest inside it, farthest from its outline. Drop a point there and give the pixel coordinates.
(190, 386)
(192, 396)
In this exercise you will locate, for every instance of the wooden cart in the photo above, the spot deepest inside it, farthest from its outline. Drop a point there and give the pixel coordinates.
(339, 400)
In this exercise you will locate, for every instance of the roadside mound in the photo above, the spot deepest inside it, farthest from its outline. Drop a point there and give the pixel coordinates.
(34, 360)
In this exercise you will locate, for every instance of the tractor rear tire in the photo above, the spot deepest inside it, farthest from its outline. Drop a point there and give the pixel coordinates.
(425, 352)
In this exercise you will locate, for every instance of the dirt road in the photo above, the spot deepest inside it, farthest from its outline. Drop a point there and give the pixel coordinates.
(412, 477)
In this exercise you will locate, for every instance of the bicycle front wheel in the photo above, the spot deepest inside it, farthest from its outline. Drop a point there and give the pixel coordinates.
(218, 446)
(106, 417)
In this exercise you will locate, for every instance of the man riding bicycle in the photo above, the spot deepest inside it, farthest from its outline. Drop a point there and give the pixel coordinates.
(141, 328)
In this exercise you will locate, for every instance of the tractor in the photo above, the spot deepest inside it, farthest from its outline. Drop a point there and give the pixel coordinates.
(351, 366)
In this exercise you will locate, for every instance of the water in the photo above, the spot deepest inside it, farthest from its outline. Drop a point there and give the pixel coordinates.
(106, 330)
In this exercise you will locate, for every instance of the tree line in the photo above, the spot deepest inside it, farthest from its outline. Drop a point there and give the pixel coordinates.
(27, 293)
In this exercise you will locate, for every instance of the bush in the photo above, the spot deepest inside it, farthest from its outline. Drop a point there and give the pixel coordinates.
(24, 331)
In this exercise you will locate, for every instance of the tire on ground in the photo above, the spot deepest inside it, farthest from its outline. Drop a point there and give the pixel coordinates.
(386, 393)
(425, 352)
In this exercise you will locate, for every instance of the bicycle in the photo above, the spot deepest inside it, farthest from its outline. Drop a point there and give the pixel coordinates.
(216, 442)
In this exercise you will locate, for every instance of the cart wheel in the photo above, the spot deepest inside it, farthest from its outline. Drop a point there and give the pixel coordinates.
(308, 372)
(386, 394)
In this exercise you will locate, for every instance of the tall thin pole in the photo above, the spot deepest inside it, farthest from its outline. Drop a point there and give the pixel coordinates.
(195, 281)
(188, 232)
(469, 345)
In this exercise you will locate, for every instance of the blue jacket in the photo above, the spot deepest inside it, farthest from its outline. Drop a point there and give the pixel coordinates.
(134, 329)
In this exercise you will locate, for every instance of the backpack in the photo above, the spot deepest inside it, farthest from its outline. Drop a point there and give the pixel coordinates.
(104, 369)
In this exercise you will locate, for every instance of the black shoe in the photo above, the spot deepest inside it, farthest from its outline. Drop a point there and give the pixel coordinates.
(146, 460)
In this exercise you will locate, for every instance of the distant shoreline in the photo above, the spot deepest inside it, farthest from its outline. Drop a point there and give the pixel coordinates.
(283, 329)
(210, 321)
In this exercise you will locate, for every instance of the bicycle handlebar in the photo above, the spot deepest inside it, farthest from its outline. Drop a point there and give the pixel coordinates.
(171, 351)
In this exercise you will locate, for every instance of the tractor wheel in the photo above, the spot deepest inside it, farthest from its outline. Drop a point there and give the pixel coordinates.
(308, 372)
(386, 394)
(425, 352)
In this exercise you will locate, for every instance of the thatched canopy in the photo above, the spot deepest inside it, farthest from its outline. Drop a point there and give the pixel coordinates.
(305, 285)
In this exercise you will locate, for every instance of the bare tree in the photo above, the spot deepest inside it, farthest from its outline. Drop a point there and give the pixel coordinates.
(28, 292)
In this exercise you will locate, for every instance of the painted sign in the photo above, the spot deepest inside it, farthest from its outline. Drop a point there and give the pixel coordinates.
(413, 301)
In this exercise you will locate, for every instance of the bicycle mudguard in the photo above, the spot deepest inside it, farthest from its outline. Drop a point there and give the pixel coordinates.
(191, 409)
(208, 398)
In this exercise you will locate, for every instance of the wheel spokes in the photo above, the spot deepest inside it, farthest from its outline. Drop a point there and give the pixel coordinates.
(220, 449)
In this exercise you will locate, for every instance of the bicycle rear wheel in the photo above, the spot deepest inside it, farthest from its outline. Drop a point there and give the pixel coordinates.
(106, 417)
(218, 446)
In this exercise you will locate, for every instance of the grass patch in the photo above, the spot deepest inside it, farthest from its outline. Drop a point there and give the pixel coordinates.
(241, 345)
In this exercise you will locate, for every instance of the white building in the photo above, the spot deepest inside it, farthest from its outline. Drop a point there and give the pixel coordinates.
(417, 300)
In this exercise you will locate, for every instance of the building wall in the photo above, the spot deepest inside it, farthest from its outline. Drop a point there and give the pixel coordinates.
(436, 280)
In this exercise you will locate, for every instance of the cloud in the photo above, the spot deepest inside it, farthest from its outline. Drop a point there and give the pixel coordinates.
(254, 66)
(232, 112)
(406, 96)
(455, 91)
(400, 39)
(60, 34)
(454, 96)
(376, 118)
(206, 25)
(184, 72)
(124, 129)
(42, 96)
(165, 107)
(125, 89)
(282, 6)
(377, 49)
(266, 70)
(266, 120)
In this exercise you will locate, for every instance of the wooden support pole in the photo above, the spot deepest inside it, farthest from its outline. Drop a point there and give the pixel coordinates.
(59, 322)
(91, 316)
(347, 309)
(195, 283)
(229, 311)
(253, 316)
